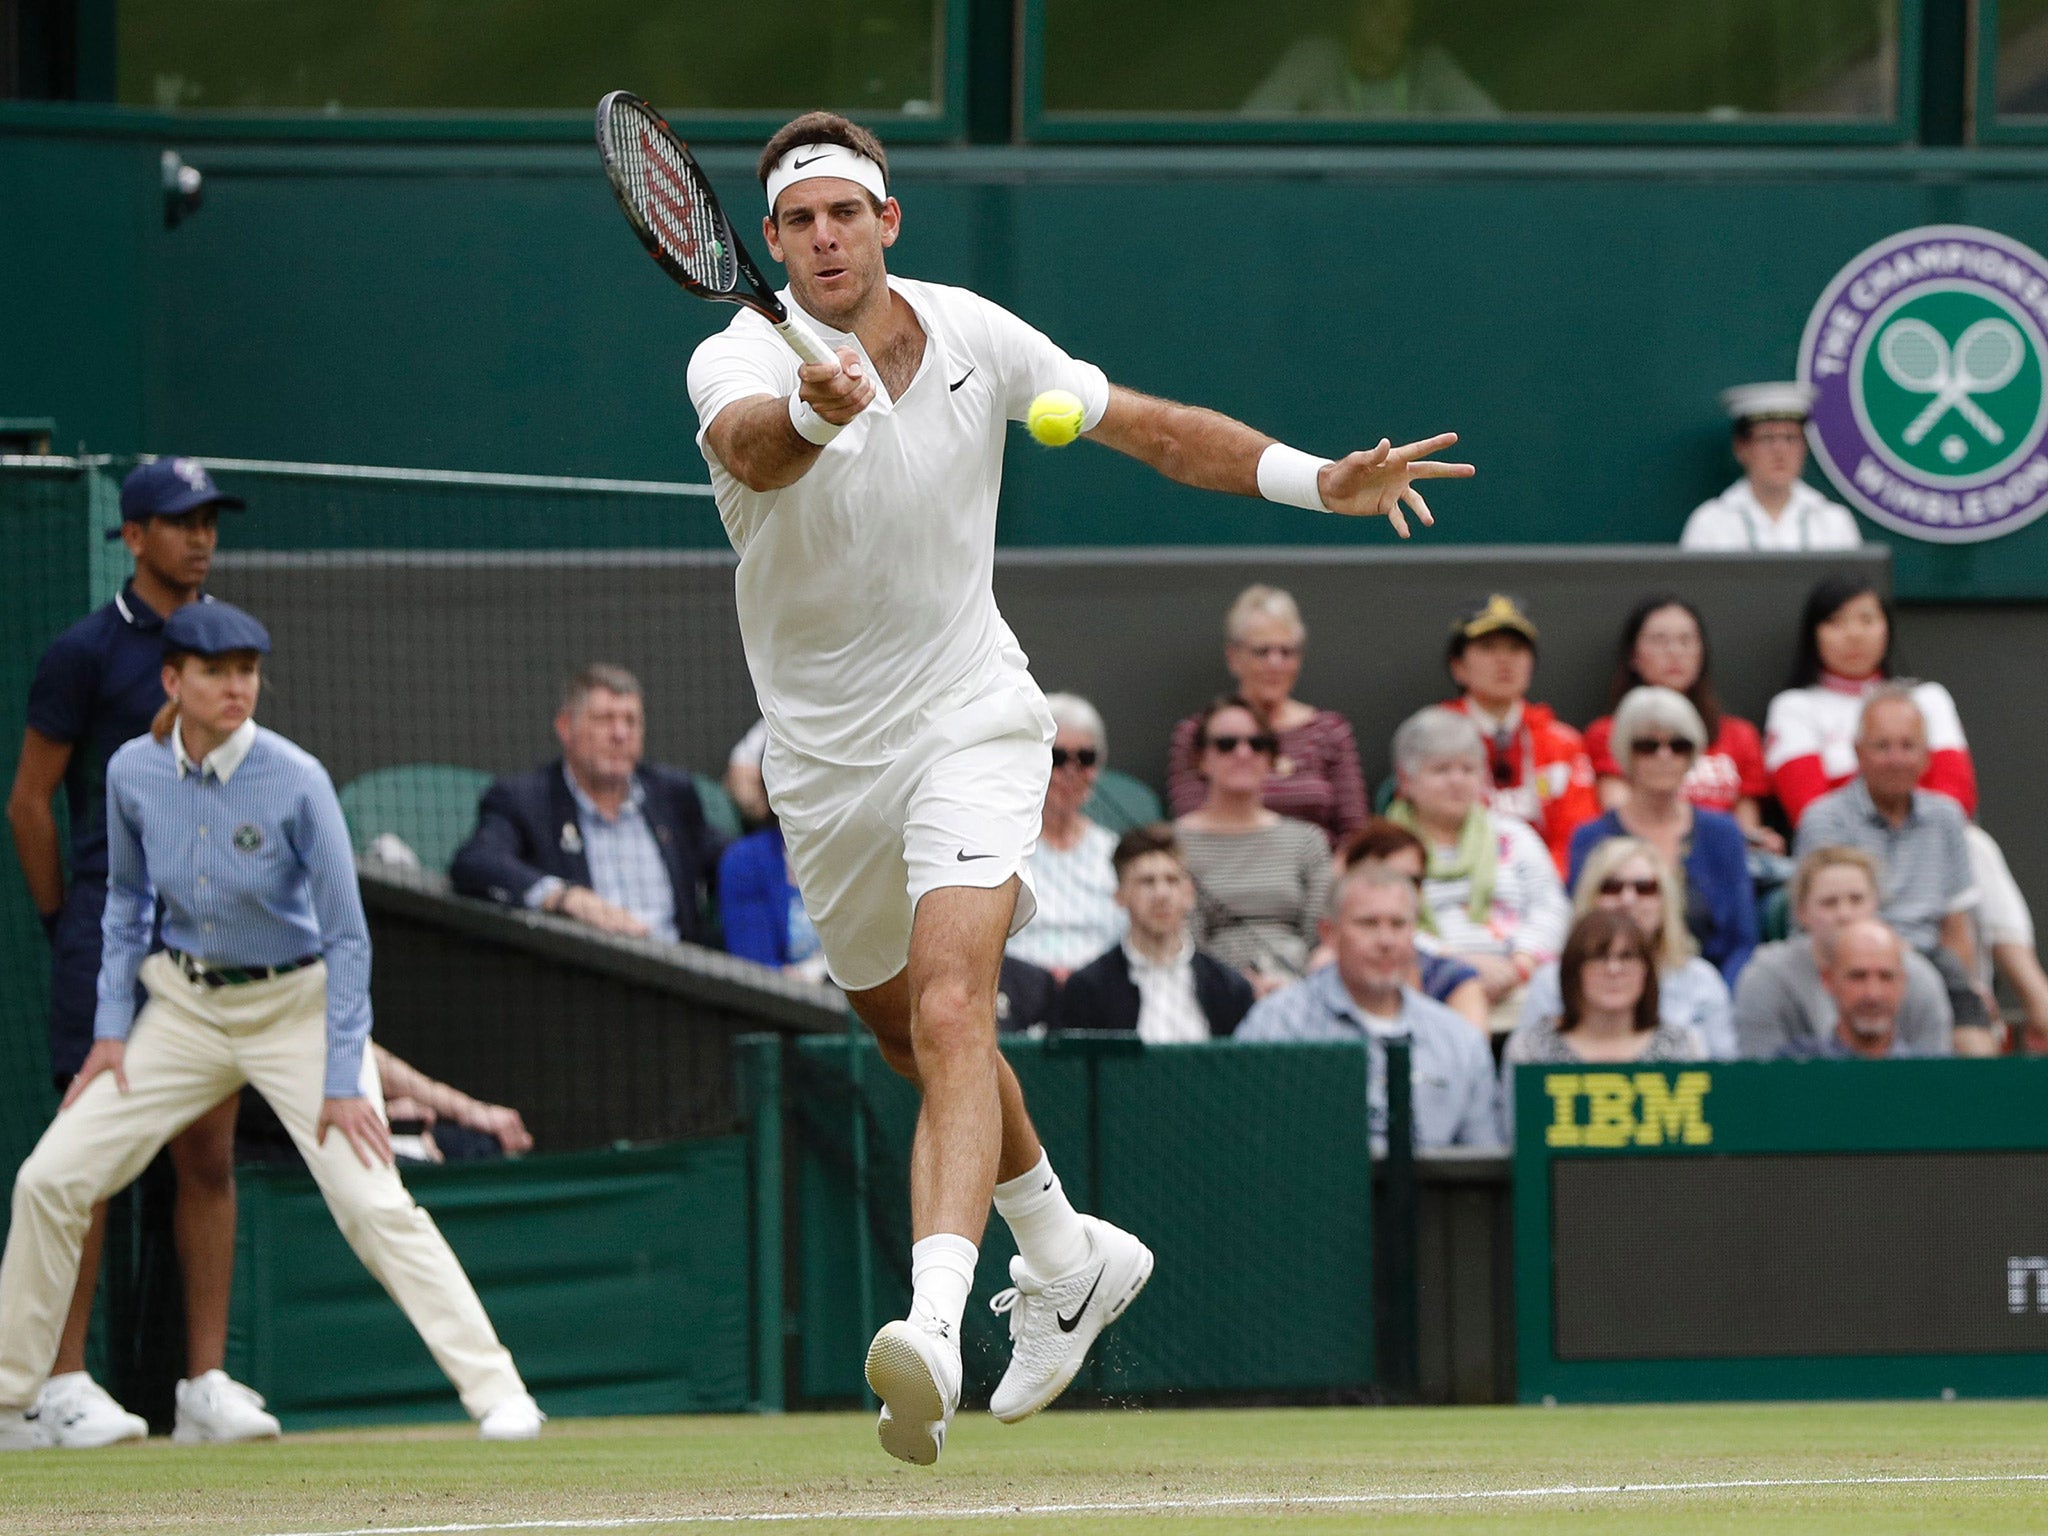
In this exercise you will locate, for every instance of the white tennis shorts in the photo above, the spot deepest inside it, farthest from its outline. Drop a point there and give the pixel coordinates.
(959, 806)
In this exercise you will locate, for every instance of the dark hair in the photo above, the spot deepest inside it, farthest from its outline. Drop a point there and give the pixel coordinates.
(1224, 701)
(1379, 840)
(1701, 694)
(1157, 837)
(1830, 595)
(1591, 938)
(824, 128)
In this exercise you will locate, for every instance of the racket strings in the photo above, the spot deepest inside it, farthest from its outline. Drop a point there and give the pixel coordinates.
(664, 189)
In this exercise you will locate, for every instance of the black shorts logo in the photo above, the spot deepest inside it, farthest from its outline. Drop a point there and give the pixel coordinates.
(248, 837)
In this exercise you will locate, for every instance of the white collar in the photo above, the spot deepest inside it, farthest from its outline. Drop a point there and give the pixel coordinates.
(223, 760)
(1138, 962)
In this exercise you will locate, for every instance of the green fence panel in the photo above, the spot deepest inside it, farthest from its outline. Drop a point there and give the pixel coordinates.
(1179, 1144)
(1782, 1230)
(618, 1280)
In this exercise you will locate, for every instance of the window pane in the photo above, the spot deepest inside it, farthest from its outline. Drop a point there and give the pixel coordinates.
(1474, 59)
(2023, 58)
(516, 55)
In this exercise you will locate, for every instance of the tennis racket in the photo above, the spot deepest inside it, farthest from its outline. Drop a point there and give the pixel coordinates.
(665, 197)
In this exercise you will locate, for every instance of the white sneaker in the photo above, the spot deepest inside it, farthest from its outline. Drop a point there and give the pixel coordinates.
(215, 1409)
(1052, 1322)
(22, 1431)
(914, 1368)
(517, 1418)
(76, 1413)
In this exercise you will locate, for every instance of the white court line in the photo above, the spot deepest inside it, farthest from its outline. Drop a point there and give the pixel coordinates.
(1156, 1506)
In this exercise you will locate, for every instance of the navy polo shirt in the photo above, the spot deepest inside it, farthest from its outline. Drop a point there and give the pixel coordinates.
(98, 685)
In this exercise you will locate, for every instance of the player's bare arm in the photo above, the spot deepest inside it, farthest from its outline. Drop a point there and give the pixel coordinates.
(755, 439)
(1214, 452)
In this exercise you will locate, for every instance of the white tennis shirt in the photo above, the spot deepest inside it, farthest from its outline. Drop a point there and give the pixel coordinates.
(864, 593)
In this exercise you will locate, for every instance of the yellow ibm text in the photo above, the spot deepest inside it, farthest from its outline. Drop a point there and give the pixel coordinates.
(1623, 1109)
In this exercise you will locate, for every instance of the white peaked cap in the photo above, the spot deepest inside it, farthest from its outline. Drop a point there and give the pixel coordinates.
(1768, 402)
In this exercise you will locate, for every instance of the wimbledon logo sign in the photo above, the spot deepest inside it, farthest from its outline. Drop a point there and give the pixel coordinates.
(1926, 356)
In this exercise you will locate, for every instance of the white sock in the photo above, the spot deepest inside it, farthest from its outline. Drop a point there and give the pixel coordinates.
(1048, 1230)
(941, 1275)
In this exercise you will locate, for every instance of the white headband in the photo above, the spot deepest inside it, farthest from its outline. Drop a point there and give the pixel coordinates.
(808, 161)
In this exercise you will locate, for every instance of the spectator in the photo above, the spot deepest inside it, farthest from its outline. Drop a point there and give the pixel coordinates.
(1155, 981)
(1071, 872)
(2006, 930)
(743, 780)
(1664, 645)
(1439, 977)
(1374, 70)
(1536, 764)
(1365, 995)
(1863, 966)
(759, 911)
(1315, 774)
(1491, 895)
(1660, 735)
(97, 687)
(454, 1126)
(1260, 877)
(1770, 507)
(596, 835)
(1027, 997)
(1920, 840)
(1626, 874)
(1781, 1001)
(1845, 650)
(1607, 1013)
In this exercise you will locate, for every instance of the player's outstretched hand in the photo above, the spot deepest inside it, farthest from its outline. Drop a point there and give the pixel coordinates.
(837, 391)
(358, 1120)
(106, 1056)
(1378, 481)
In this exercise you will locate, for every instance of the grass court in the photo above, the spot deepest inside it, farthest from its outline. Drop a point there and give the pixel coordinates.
(1866, 1469)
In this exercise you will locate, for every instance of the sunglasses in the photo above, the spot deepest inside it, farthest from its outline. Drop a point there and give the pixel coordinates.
(1086, 757)
(1264, 745)
(1270, 653)
(1650, 746)
(1619, 957)
(1615, 887)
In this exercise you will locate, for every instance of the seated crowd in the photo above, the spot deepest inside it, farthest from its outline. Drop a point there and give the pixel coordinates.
(1559, 896)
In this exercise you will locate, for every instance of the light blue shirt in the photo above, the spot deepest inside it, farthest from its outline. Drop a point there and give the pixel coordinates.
(1450, 1062)
(625, 860)
(250, 854)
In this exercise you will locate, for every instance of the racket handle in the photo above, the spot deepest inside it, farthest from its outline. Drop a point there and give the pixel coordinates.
(805, 342)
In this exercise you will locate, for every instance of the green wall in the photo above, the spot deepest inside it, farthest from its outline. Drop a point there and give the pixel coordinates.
(1572, 312)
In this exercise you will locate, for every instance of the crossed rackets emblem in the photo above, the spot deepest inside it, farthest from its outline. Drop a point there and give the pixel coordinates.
(1985, 359)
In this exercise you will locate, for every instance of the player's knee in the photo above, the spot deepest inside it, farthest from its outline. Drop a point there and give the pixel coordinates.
(952, 1018)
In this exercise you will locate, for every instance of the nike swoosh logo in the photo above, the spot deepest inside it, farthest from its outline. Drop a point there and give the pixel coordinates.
(963, 379)
(797, 165)
(963, 856)
(1048, 1185)
(1069, 1324)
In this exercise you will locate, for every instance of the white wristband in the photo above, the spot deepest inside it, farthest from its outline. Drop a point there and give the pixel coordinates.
(1288, 476)
(810, 426)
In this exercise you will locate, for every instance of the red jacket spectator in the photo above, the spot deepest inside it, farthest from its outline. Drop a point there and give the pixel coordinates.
(1731, 768)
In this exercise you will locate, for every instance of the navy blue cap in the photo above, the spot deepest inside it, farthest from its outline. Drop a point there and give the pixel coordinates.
(169, 488)
(214, 629)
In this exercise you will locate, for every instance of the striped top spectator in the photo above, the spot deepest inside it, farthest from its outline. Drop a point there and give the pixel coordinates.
(1259, 895)
(1316, 779)
(1926, 860)
(1078, 917)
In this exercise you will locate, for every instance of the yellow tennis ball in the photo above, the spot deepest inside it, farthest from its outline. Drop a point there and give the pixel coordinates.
(1055, 418)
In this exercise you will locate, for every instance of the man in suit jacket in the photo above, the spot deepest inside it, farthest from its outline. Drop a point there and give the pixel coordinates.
(597, 835)
(1155, 982)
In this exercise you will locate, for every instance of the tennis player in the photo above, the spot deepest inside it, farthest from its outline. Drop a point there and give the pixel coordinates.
(908, 747)
(266, 981)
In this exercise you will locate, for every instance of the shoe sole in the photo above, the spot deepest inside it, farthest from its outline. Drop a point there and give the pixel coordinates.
(132, 1436)
(913, 1424)
(1085, 1336)
(185, 1435)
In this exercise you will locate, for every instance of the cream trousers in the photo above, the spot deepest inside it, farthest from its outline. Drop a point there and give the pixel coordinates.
(190, 1048)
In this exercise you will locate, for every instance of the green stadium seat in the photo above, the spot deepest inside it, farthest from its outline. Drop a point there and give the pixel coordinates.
(1774, 915)
(1121, 802)
(1383, 797)
(720, 814)
(432, 806)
